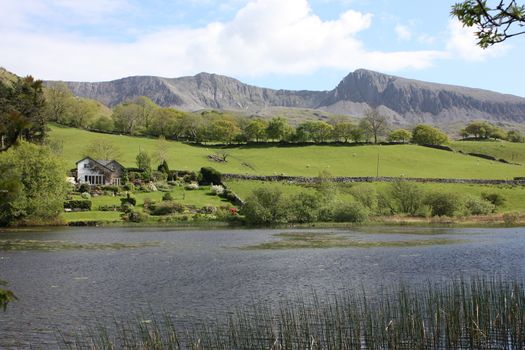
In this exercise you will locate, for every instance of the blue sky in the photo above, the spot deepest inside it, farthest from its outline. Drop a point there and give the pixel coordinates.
(289, 44)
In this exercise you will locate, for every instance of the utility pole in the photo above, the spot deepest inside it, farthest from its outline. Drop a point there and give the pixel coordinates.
(377, 168)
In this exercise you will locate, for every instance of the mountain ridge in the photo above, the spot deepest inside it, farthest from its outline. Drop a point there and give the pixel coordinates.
(404, 101)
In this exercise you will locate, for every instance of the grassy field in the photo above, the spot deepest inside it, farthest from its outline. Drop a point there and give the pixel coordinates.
(511, 152)
(514, 195)
(399, 160)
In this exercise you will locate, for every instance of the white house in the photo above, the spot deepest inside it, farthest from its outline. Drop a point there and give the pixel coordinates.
(99, 172)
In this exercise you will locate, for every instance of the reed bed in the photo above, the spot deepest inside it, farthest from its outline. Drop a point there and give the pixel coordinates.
(474, 314)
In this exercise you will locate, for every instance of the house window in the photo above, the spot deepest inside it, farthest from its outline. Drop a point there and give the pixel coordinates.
(86, 165)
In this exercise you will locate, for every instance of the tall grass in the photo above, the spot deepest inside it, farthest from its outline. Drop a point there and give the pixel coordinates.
(473, 314)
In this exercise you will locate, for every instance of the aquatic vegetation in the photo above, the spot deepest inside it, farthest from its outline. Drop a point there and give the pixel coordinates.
(49, 245)
(474, 314)
(298, 240)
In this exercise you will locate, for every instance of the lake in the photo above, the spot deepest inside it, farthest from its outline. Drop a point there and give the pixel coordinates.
(200, 275)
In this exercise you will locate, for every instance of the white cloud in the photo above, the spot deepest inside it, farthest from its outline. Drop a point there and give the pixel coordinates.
(462, 43)
(403, 32)
(265, 37)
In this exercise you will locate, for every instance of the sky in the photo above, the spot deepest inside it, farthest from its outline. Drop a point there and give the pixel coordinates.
(281, 44)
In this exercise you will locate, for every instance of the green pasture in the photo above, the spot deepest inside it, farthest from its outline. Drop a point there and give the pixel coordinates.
(397, 160)
(511, 152)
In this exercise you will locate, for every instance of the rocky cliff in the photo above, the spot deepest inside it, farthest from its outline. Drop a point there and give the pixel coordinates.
(405, 101)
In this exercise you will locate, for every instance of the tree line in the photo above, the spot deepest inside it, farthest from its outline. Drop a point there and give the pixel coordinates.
(141, 116)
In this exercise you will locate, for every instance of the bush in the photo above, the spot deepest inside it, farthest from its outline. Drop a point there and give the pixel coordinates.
(85, 195)
(217, 190)
(83, 204)
(495, 198)
(510, 218)
(129, 187)
(209, 176)
(303, 207)
(128, 199)
(126, 207)
(479, 206)
(167, 196)
(113, 189)
(166, 208)
(265, 206)
(350, 212)
(83, 188)
(365, 194)
(108, 207)
(135, 216)
(444, 204)
(407, 197)
(192, 186)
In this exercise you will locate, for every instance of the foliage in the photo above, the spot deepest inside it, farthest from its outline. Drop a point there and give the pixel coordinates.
(278, 129)
(265, 206)
(209, 176)
(343, 130)
(33, 185)
(217, 189)
(303, 207)
(166, 208)
(85, 195)
(365, 194)
(374, 123)
(256, 130)
(192, 186)
(483, 130)
(428, 135)
(511, 218)
(166, 197)
(515, 136)
(495, 198)
(494, 24)
(316, 131)
(163, 167)
(399, 135)
(22, 112)
(478, 206)
(143, 160)
(444, 204)
(84, 204)
(102, 150)
(407, 197)
(128, 199)
(6, 296)
(350, 212)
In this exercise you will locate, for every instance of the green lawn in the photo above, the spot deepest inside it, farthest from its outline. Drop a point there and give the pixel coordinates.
(512, 152)
(106, 216)
(514, 195)
(398, 160)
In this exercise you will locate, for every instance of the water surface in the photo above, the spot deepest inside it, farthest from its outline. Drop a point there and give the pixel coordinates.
(202, 274)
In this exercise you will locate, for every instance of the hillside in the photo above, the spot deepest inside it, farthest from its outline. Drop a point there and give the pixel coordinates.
(406, 160)
(405, 101)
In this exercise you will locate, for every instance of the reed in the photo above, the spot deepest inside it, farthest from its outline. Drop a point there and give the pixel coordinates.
(482, 313)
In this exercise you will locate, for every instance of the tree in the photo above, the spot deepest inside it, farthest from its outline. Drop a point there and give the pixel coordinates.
(127, 117)
(147, 108)
(22, 112)
(58, 100)
(494, 23)
(343, 130)
(483, 130)
(515, 136)
(102, 149)
(407, 196)
(428, 135)
(265, 206)
(143, 160)
(317, 131)
(399, 135)
(33, 185)
(278, 129)
(164, 122)
(223, 130)
(374, 123)
(256, 130)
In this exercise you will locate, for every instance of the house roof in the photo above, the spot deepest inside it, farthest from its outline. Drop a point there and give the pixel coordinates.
(103, 163)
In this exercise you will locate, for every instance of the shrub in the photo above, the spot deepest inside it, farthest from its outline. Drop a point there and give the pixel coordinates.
(511, 218)
(209, 176)
(407, 197)
(163, 167)
(108, 207)
(166, 208)
(84, 204)
(265, 206)
(167, 196)
(192, 186)
(126, 207)
(208, 210)
(303, 207)
(495, 198)
(135, 216)
(113, 189)
(85, 195)
(478, 206)
(217, 190)
(385, 205)
(365, 194)
(444, 204)
(83, 188)
(159, 176)
(129, 187)
(350, 212)
(128, 199)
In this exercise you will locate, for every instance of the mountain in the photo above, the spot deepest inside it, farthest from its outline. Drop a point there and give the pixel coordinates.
(405, 101)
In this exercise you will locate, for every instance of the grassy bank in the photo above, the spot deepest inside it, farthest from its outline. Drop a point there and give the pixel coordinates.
(398, 160)
(511, 152)
(474, 314)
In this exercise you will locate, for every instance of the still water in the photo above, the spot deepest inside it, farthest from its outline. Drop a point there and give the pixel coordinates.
(200, 275)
